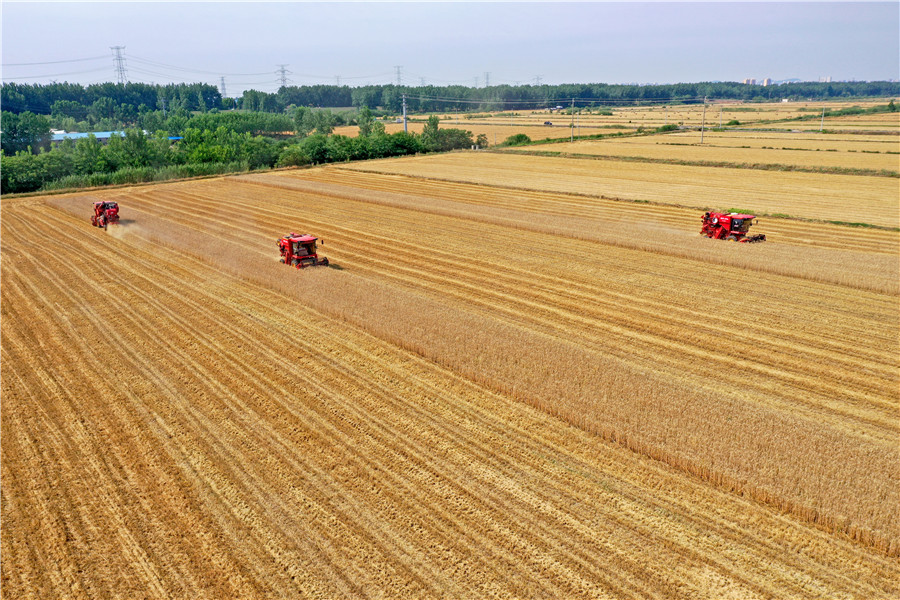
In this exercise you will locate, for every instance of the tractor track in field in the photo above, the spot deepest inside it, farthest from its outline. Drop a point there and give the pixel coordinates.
(248, 445)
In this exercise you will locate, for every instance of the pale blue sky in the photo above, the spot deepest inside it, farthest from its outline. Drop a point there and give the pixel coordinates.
(450, 42)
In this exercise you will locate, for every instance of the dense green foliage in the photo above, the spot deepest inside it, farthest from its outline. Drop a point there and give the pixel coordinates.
(210, 145)
(126, 102)
(518, 139)
(24, 131)
(177, 129)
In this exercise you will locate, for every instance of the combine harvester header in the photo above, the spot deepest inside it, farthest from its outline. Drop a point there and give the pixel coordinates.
(104, 214)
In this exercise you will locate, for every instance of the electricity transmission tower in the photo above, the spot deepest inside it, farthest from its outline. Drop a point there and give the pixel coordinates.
(282, 74)
(487, 79)
(120, 64)
(399, 79)
(222, 86)
(537, 80)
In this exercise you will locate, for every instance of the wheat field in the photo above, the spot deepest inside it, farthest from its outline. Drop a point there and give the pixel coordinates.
(498, 389)
(825, 196)
(873, 156)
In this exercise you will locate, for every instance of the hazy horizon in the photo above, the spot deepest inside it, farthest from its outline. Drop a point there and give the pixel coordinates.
(449, 43)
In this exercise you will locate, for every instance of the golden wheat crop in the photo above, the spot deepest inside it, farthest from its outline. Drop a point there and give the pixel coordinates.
(495, 132)
(493, 393)
(846, 198)
(791, 140)
(690, 148)
(716, 114)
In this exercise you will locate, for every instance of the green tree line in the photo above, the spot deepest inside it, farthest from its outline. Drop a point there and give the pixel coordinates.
(130, 100)
(206, 144)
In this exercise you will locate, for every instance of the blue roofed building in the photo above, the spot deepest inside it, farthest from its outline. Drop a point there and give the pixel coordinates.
(102, 136)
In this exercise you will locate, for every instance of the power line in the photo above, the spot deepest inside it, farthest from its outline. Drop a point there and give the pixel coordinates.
(187, 69)
(58, 74)
(53, 62)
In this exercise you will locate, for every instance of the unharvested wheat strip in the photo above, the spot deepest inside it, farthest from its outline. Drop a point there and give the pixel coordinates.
(761, 326)
(470, 265)
(428, 196)
(869, 270)
(810, 195)
(873, 164)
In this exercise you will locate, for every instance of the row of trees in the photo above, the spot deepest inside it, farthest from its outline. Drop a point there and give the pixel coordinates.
(127, 101)
(209, 142)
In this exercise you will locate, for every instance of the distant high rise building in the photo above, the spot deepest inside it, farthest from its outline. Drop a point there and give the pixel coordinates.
(767, 81)
(750, 81)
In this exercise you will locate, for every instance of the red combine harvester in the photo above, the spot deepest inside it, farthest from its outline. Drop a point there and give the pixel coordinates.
(299, 250)
(730, 226)
(104, 214)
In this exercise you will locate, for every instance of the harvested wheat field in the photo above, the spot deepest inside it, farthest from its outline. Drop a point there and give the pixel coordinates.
(720, 151)
(831, 197)
(658, 148)
(496, 132)
(885, 143)
(491, 392)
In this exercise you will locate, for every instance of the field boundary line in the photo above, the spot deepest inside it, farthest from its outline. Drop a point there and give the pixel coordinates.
(707, 163)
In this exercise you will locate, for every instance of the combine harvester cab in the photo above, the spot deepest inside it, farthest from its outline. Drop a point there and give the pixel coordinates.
(104, 214)
(730, 226)
(299, 250)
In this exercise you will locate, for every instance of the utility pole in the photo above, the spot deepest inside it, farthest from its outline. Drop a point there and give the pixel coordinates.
(822, 126)
(667, 116)
(404, 113)
(720, 117)
(703, 121)
(572, 127)
(399, 78)
(120, 64)
(282, 73)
